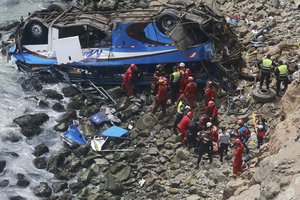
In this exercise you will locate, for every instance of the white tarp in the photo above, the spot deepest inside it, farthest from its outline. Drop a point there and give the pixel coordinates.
(68, 50)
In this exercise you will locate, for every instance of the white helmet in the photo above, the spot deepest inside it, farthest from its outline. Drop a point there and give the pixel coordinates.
(181, 64)
(260, 127)
(208, 124)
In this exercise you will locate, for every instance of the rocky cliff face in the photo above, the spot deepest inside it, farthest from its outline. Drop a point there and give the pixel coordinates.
(277, 171)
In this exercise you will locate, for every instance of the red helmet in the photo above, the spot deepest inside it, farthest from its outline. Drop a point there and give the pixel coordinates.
(211, 103)
(190, 79)
(190, 114)
(240, 122)
(133, 66)
(237, 141)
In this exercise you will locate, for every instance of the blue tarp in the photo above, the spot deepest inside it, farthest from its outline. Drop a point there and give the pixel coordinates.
(114, 131)
(98, 118)
(74, 134)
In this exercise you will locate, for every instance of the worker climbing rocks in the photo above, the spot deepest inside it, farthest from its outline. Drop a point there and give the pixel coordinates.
(243, 133)
(184, 74)
(161, 98)
(190, 91)
(159, 72)
(181, 107)
(205, 145)
(265, 72)
(224, 141)
(174, 84)
(281, 73)
(183, 125)
(238, 159)
(212, 112)
(209, 92)
(127, 80)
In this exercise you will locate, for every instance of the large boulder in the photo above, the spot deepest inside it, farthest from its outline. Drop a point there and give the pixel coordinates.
(146, 121)
(57, 160)
(31, 130)
(114, 185)
(4, 183)
(22, 181)
(70, 91)
(32, 119)
(31, 84)
(59, 186)
(42, 190)
(58, 107)
(40, 149)
(52, 94)
(68, 116)
(40, 162)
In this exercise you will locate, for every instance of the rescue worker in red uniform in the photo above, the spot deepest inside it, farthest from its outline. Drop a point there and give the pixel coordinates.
(213, 131)
(238, 159)
(212, 112)
(209, 92)
(184, 74)
(160, 72)
(190, 91)
(161, 98)
(127, 80)
(184, 125)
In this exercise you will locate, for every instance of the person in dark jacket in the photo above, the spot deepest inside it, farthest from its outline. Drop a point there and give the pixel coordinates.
(174, 84)
(205, 145)
(193, 129)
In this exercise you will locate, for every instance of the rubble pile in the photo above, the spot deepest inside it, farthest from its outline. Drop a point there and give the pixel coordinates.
(265, 27)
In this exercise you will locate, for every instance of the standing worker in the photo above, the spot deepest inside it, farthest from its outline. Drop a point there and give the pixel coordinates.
(193, 129)
(209, 92)
(238, 157)
(266, 69)
(243, 133)
(281, 73)
(205, 146)
(224, 140)
(161, 98)
(212, 112)
(190, 91)
(127, 80)
(159, 72)
(174, 83)
(184, 74)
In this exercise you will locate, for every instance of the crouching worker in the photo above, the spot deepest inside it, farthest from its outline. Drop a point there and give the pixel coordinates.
(161, 98)
(181, 107)
(238, 157)
(205, 145)
(183, 125)
(127, 80)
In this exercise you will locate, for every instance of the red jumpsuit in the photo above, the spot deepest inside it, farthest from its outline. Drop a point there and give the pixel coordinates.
(161, 99)
(183, 126)
(127, 85)
(190, 93)
(212, 112)
(238, 159)
(184, 74)
(214, 133)
(209, 94)
(154, 84)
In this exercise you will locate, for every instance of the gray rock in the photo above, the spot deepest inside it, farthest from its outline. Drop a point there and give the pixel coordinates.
(76, 105)
(75, 187)
(70, 91)
(182, 155)
(86, 176)
(34, 119)
(119, 156)
(88, 111)
(57, 160)
(40, 162)
(11, 137)
(40, 149)
(31, 84)
(81, 151)
(193, 197)
(59, 186)
(153, 151)
(123, 103)
(175, 183)
(68, 116)
(124, 173)
(132, 109)
(117, 166)
(31, 130)
(115, 92)
(17, 198)
(2, 165)
(101, 162)
(61, 127)
(88, 160)
(22, 181)
(114, 185)
(146, 121)
(58, 107)
(52, 94)
(231, 186)
(159, 142)
(4, 183)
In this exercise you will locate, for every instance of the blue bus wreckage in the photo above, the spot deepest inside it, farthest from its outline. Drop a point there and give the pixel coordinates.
(76, 44)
